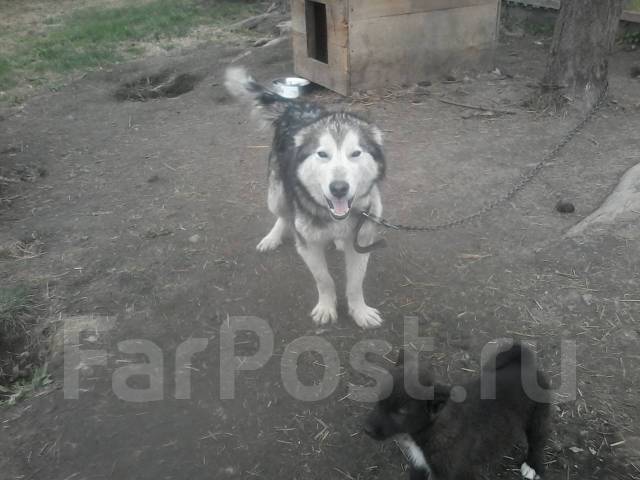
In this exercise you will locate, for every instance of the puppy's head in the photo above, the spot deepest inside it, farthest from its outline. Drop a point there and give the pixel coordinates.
(409, 403)
(339, 158)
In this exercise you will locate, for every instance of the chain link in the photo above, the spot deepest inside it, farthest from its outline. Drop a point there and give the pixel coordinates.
(523, 182)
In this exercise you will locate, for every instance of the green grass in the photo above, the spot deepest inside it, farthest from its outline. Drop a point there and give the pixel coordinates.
(23, 388)
(6, 78)
(15, 305)
(93, 37)
(18, 312)
(633, 5)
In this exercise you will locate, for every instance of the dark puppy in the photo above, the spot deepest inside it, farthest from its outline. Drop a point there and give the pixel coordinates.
(448, 435)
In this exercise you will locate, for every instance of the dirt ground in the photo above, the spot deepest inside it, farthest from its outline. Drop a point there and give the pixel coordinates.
(149, 214)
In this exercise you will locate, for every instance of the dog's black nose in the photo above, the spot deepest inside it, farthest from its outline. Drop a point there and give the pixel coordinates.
(339, 188)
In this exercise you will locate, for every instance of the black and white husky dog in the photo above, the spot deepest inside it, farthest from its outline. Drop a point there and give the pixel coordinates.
(323, 167)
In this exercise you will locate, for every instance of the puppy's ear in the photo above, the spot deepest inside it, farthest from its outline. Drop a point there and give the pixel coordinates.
(400, 360)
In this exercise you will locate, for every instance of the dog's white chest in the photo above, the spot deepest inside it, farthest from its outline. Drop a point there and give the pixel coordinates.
(334, 230)
(413, 453)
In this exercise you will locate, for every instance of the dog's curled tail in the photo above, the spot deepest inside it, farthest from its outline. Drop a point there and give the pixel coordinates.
(267, 104)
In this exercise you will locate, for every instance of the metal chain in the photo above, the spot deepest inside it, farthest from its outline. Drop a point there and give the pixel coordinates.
(523, 182)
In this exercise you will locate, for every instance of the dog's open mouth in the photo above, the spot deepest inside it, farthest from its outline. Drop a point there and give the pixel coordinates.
(339, 207)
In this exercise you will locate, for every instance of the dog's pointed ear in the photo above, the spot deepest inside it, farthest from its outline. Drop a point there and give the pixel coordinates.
(400, 360)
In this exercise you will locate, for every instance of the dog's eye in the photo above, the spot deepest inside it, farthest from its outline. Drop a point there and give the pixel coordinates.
(323, 154)
(356, 154)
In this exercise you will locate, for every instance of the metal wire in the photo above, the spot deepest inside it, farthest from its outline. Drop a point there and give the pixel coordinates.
(522, 183)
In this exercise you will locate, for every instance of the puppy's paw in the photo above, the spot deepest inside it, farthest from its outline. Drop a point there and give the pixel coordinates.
(324, 312)
(268, 243)
(529, 473)
(365, 316)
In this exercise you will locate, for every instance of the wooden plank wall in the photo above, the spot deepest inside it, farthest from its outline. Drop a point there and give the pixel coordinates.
(392, 50)
(366, 9)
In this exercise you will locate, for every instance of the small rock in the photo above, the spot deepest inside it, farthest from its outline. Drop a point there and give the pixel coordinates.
(576, 449)
(565, 206)
(194, 238)
(635, 71)
(424, 83)
(153, 178)
(588, 298)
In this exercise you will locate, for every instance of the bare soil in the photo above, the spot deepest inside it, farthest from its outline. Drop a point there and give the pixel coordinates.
(150, 212)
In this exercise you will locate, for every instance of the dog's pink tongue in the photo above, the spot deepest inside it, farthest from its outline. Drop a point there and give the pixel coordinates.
(340, 206)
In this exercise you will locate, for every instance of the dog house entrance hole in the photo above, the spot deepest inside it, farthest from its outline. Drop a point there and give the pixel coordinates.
(316, 19)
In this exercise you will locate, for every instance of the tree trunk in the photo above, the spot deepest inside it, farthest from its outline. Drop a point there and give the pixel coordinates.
(584, 36)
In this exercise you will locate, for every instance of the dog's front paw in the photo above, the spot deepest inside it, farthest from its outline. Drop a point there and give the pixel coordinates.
(365, 316)
(324, 312)
(529, 473)
(268, 243)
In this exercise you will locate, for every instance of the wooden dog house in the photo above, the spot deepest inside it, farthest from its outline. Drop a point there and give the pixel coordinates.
(348, 45)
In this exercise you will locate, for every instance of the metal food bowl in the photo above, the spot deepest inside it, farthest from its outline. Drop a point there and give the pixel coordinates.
(290, 87)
